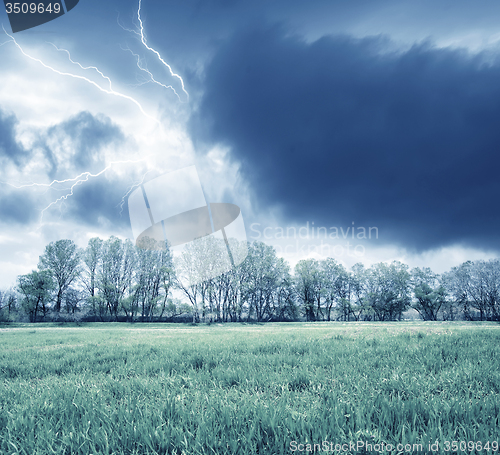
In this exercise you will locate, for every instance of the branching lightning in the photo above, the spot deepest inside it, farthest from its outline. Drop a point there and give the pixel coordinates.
(151, 77)
(78, 180)
(140, 32)
(132, 187)
(143, 40)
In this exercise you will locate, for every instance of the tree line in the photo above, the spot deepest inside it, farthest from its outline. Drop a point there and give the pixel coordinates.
(114, 280)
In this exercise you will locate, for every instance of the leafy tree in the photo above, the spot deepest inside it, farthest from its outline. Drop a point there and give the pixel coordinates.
(388, 290)
(263, 272)
(175, 307)
(475, 288)
(360, 307)
(72, 299)
(153, 275)
(35, 289)
(8, 304)
(236, 298)
(63, 261)
(429, 293)
(91, 258)
(11, 302)
(456, 284)
(116, 272)
(199, 263)
(219, 289)
(97, 306)
(284, 307)
(3, 304)
(336, 288)
(308, 287)
(484, 288)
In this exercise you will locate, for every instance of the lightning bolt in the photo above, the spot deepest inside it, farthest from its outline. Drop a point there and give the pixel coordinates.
(151, 77)
(143, 40)
(140, 32)
(78, 180)
(109, 91)
(133, 187)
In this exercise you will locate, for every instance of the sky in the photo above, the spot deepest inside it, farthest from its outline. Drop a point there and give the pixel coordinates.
(364, 130)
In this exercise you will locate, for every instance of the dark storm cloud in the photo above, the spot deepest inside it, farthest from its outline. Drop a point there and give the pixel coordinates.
(85, 135)
(88, 134)
(17, 206)
(336, 131)
(96, 203)
(10, 148)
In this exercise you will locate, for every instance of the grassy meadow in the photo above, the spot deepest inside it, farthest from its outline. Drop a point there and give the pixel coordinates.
(249, 389)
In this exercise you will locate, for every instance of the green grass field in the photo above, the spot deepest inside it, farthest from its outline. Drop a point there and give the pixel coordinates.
(249, 389)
